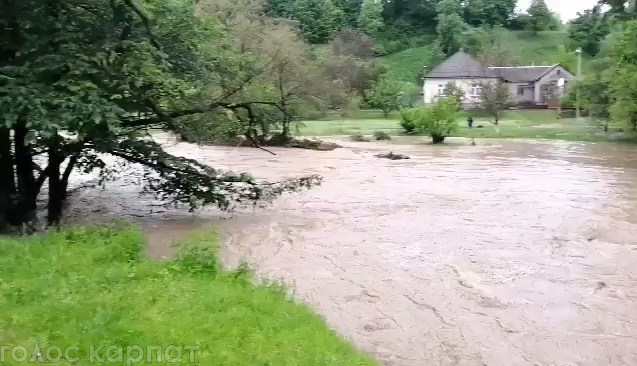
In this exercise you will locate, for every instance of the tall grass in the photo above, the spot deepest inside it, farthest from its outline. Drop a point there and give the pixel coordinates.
(91, 286)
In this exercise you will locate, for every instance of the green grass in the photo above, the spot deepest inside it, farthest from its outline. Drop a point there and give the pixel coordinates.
(92, 287)
(540, 48)
(408, 65)
(515, 124)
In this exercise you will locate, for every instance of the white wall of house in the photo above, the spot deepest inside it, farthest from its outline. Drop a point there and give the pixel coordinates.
(522, 92)
(556, 74)
(552, 77)
(432, 88)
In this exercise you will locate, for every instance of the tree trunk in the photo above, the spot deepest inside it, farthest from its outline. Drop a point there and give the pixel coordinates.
(437, 139)
(7, 176)
(67, 174)
(27, 189)
(56, 186)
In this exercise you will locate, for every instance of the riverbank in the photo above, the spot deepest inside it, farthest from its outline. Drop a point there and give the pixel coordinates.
(540, 124)
(91, 287)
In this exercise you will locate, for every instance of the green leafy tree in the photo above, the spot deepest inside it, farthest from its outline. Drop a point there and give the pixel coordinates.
(351, 10)
(451, 26)
(489, 12)
(438, 120)
(386, 95)
(588, 30)
(622, 76)
(318, 19)
(455, 93)
(495, 99)
(492, 46)
(566, 58)
(540, 16)
(348, 63)
(594, 93)
(80, 79)
(418, 14)
(370, 19)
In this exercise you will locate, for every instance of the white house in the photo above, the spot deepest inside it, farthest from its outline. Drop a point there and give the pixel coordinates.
(537, 85)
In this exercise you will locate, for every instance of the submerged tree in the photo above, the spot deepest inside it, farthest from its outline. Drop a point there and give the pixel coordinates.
(83, 78)
(438, 120)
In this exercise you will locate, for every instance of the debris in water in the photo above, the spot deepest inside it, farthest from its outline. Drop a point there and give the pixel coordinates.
(392, 156)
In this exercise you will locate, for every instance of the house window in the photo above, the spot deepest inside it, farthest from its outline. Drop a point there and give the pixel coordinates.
(441, 90)
(520, 90)
(476, 89)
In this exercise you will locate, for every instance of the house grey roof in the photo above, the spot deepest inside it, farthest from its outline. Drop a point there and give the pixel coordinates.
(520, 74)
(463, 65)
(460, 65)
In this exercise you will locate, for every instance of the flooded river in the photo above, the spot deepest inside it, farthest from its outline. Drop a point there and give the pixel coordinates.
(505, 253)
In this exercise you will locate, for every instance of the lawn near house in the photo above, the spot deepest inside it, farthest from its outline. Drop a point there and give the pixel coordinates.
(91, 287)
(542, 124)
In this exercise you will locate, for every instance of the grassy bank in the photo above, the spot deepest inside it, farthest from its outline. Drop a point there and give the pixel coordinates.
(515, 124)
(91, 287)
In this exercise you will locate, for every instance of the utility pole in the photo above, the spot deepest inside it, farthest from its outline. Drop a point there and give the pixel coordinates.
(578, 81)
(424, 85)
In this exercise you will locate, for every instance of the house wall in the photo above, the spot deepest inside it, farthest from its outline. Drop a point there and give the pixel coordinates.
(431, 88)
(528, 92)
(552, 78)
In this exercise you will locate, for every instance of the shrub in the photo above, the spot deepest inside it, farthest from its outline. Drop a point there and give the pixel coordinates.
(387, 95)
(381, 135)
(359, 138)
(438, 120)
(407, 121)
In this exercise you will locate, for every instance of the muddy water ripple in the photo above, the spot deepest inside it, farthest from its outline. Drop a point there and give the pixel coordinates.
(506, 253)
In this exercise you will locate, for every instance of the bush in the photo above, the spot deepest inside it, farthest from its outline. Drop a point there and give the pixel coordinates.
(407, 121)
(359, 138)
(381, 135)
(438, 120)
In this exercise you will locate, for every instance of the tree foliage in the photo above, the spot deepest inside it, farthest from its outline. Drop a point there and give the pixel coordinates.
(387, 95)
(437, 120)
(349, 67)
(492, 46)
(540, 17)
(588, 30)
(496, 98)
(622, 76)
(489, 12)
(451, 26)
(370, 19)
(80, 79)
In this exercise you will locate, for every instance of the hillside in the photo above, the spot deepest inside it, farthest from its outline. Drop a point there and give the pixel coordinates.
(543, 48)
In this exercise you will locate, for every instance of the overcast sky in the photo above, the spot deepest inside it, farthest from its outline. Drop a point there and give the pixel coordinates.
(567, 9)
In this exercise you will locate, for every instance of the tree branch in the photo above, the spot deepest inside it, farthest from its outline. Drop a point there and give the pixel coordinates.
(145, 21)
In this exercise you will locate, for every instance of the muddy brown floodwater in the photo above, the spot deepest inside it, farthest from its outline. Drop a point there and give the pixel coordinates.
(505, 253)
